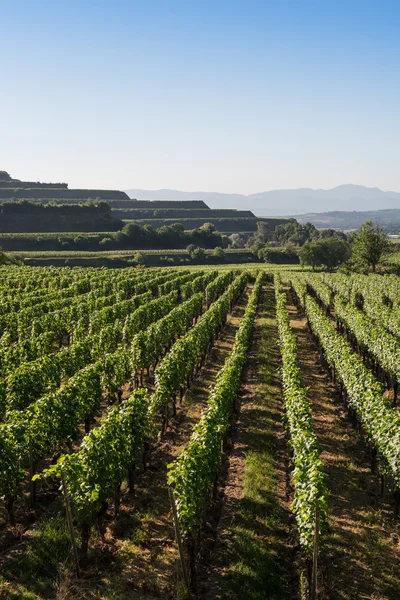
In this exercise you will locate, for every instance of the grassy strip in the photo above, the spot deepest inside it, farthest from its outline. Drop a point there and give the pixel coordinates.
(33, 572)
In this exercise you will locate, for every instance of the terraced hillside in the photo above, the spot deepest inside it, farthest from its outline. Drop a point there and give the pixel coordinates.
(11, 189)
(190, 214)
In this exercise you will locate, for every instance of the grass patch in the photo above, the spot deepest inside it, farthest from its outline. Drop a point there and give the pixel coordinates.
(34, 570)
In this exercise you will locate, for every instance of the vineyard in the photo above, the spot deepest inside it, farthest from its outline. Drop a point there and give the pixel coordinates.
(185, 433)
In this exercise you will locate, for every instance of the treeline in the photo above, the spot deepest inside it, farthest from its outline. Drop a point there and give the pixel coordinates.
(16, 183)
(145, 258)
(33, 217)
(7, 181)
(21, 193)
(291, 242)
(131, 237)
(159, 204)
(123, 203)
(181, 213)
(328, 249)
(225, 225)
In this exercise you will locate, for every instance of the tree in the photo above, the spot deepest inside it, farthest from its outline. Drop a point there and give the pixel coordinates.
(208, 227)
(103, 206)
(218, 252)
(295, 233)
(309, 255)
(336, 233)
(335, 252)
(328, 252)
(256, 246)
(198, 254)
(281, 256)
(265, 231)
(190, 248)
(225, 241)
(106, 242)
(195, 252)
(369, 244)
(236, 240)
(131, 230)
(309, 231)
(4, 258)
(177, 228)
(139, 258)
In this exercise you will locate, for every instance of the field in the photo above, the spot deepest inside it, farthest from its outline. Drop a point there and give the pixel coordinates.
(218, 433)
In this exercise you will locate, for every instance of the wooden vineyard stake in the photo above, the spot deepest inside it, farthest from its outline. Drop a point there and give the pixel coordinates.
(178, 536)
(32, 483)
(71, 526)
(313, 594)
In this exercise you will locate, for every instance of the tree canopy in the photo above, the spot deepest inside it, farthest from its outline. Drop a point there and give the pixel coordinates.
(369, 244)
(329, 252)
(295, 233)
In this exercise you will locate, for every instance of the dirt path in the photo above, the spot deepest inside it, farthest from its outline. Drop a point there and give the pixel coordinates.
(361, 557)
(252, 556)
(144, 557)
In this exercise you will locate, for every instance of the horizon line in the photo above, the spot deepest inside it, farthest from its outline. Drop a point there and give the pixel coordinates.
(375, 187)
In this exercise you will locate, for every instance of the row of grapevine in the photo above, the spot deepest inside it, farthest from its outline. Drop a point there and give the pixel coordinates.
(197, 285)
(364, 393)
(217, 286)
(150, 344)
(177, 283)
(23, 324)
(95, 472)
(378, 297)
(386, 288)
(187, 354)
(43, 427)
(97, 287)
(25, 353)
(323, 292)
(48, 423)
(29, 381)
(373, 339)
(192, 475)
(79, 323)
(26, 312)
(310, 489)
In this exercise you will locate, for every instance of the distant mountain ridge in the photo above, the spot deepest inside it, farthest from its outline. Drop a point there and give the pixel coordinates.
(348, 197)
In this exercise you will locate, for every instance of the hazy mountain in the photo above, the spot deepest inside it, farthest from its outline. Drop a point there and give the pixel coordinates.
(388, 219)
(286, 202)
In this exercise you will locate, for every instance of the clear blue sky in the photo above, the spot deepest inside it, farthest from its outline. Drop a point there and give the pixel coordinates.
(235, 96)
